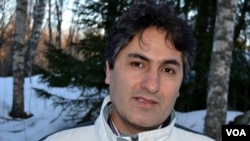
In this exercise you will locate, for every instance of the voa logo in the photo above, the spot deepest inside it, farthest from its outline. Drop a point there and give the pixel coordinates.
(236, 132)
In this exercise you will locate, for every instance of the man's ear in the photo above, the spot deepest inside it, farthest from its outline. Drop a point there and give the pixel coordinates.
(178, 94)
(107, 79)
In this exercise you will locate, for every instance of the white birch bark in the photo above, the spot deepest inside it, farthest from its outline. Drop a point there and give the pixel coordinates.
(219, 73)
(38, 16)
(17, 110)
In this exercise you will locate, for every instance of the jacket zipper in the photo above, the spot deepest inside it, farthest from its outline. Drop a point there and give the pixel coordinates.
(134, 138)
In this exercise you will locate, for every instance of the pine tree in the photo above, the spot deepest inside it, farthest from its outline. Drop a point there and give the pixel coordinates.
(88, 72)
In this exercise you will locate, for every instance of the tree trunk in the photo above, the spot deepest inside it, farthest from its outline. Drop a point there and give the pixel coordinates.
(204, 31)
(50, 21)
(73, 29)
(17, 110)
(39, 11)
(220, 68)
(59, 7)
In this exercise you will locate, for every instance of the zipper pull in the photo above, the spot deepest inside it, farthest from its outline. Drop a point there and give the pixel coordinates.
(135, 138)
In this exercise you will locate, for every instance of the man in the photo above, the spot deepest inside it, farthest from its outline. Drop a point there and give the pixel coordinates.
(149, 52)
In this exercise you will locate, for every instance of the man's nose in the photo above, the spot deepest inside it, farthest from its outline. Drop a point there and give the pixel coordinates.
(151, 81)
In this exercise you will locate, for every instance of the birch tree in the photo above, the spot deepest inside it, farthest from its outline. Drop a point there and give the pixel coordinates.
(59, 10)
(22, 48)
(49, 22)
(219, 72)
(38, 16)
(17, 110)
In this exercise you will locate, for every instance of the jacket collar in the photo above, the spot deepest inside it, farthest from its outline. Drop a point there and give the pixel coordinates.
(105, 131)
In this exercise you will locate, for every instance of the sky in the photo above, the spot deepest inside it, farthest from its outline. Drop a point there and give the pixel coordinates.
(47, 119)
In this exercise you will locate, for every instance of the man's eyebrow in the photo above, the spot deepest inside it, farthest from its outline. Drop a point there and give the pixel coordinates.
(164, 62)
(172, 61)
(135, 55)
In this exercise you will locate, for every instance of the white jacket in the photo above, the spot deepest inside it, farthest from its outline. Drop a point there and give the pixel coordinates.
(101, 131)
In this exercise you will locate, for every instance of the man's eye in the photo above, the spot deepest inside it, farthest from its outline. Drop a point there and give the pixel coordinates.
(168, 70)
(137, 64)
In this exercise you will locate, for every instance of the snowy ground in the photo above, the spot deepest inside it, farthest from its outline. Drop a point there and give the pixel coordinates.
(46, 119)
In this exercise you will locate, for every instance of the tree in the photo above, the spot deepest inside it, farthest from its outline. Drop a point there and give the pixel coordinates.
(199, 16)
(59, 9)
(38, 16)
(49, 22)
(204, 30)
(87, 72)
(23, 48)
(194, 89)
(6, 34)
(17, 110)
(239, 97)
(220, 64)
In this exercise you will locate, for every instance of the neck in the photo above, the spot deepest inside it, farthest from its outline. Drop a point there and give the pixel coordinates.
(119, 125)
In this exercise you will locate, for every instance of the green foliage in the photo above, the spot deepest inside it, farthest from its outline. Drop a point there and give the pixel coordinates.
(41, 93)
(84, 108)
(93, 68)
(87, 73)
(62, 68)
(102, 13)
(66, 70)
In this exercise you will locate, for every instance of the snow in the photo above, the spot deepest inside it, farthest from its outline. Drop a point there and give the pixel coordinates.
(47, 119)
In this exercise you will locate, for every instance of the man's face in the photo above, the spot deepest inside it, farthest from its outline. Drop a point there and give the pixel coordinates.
(144, 83)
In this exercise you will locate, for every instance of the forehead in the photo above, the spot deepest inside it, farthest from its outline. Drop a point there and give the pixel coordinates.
(154, 44)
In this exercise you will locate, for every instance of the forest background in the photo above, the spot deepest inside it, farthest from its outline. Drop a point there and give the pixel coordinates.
(34, 40)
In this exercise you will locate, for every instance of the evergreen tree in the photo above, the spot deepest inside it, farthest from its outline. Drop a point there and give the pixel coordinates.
(88, 72)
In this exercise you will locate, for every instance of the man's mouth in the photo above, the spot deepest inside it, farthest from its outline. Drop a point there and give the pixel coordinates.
(146, 102)
(141, 99)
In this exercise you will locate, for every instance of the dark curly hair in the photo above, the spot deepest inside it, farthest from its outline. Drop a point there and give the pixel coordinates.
(144, 14)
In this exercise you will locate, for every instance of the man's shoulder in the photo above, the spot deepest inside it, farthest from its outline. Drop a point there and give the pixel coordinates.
(84, 124)
(76, 132)
(189, 133)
